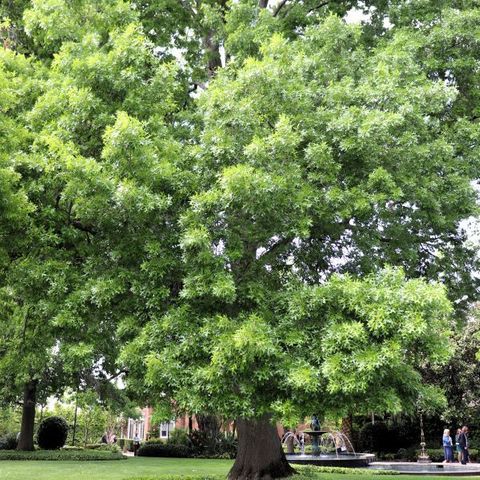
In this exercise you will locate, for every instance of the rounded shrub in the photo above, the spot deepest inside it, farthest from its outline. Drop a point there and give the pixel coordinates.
(52, 433)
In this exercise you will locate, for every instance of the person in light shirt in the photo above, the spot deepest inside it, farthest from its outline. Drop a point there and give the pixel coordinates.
(447, 446)
(136, 443)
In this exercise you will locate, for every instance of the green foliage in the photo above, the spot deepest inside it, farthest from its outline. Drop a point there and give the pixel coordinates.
(9, 420)
(164, 450)
(67, 193)
(438, 454)
(178, 436)
(310, 160)
(206, 444)
(8, 442)
(362, 354)
(309, 471)
(372, 437)
(411, 454)
(125, 444)
(103, 447)
(60, 455)
(155, 441)
(464, 368)
(198, 444)
(52, 433)
(93, 417)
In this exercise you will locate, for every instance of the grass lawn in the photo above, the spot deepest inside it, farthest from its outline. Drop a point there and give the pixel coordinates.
(114, 470)
(150, 468)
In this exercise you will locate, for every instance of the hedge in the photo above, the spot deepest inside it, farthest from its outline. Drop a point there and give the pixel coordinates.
(163, 450)
(103, 447)
(156, 441)
(53, 455)
(435, 454)
(307, 471)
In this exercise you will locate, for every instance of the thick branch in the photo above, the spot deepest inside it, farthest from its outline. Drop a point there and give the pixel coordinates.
(83, 228)
(323, 4)
(276, 246)
(279, 7)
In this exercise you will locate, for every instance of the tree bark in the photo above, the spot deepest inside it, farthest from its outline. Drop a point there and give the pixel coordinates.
(190, 424)
(212, 49)
(25, 441)
(260, 455)
(209, 424)
(75, 420)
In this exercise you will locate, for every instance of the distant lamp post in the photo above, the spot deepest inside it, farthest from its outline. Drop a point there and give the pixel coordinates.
(423, 457)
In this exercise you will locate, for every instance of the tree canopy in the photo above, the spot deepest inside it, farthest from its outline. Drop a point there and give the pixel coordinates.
(247, 206)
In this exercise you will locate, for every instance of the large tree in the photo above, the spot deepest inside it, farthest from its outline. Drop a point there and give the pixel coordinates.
(97, 165)
(318, 156)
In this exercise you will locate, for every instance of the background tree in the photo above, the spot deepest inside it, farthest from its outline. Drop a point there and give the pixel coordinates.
(102, 169)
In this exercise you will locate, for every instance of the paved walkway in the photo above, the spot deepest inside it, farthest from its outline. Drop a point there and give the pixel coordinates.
(434, 468)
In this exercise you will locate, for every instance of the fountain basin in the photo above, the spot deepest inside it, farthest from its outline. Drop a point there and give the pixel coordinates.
(342, 460)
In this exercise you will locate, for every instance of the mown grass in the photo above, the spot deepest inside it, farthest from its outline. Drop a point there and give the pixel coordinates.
(144, 468)
(123, 470)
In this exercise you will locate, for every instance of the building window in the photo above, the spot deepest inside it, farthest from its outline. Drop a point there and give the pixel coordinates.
(165, 429)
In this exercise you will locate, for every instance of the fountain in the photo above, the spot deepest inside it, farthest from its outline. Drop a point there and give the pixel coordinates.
(423, 457)
(329, 448)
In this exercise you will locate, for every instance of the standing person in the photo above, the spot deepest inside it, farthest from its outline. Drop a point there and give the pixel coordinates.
(447, 446)
(136, 444)
(463, 442)
(457, 445)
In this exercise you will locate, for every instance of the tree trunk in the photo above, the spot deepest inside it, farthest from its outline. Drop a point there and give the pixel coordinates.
(25, 441)
(75, 420)
(212, 50)
(260, 455)
(209, 424)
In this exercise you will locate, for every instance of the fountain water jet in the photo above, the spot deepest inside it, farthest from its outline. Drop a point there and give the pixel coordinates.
(329, 448)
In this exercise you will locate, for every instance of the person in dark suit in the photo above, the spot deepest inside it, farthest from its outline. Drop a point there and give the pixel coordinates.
(463, 442)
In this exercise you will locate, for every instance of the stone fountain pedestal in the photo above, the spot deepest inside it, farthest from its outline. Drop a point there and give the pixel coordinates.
(315, 435)
(423, 457)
